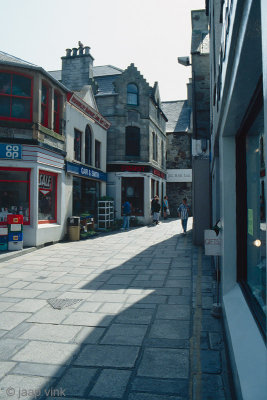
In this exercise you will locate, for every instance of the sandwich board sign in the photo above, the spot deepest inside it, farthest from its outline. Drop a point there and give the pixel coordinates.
(213, 243)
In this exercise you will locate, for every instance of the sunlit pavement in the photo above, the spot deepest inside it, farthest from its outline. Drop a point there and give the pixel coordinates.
(130, 319)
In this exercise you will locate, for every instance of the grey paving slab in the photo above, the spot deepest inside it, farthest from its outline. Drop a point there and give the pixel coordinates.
(76, 381)
(110, 308)
(9, 346)
(54, 371)
(108, 356)
(147, 396)
(211, 361)
(51, 333)
(47, 353)
(124, 334)
(168, 311)
(164, 363)
(10, 320)
(135, 316)
(30, 387)
(170, 329)
(5, 367)
(22, 293)
(50, 316)
(161, 386)
(89, 306)
(111, 384)
(5, 305)
(89, 335)
(88, 319)
(28, 305)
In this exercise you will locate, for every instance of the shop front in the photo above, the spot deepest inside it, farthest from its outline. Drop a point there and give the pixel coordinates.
(88, 185)
(31, 185)
(138, 184)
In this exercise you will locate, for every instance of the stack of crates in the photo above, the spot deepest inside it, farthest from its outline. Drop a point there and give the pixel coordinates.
(3, 237)
(15, 232)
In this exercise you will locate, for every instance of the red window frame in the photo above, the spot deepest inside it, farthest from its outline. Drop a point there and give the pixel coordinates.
(44, 106)
(57, 111)
(49, 221)
(29, 187)
(11, 96)
(97, 154)
(77, 132)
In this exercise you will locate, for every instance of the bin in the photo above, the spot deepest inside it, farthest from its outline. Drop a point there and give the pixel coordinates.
(74, 228)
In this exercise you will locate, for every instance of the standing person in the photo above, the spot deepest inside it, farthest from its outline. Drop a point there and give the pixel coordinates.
(126, 210)
(183, 212)
(165, 207)
(155, 209)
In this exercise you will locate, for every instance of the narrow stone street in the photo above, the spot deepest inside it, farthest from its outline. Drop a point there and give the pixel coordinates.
(129, 319)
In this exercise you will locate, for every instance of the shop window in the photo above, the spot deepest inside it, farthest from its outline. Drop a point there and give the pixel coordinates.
(251, 219)
(97, 154)
(15, 193)
(85, 196)
(57, 111)
(152, 188)
(44, 104)
(88, 145)
(132, 94)
(132, 139)
(15, 97)
(47, 204)
(155, 146)
(77, 145)
(132, 189)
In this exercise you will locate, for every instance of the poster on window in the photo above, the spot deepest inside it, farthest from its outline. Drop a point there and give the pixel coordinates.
(47, 197)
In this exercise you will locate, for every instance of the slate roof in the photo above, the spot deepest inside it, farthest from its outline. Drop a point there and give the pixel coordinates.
(178, 113)
(104, 70)
(8, 59)
(56, 74)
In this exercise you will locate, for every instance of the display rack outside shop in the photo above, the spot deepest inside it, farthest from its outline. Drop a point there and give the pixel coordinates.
(105, 214)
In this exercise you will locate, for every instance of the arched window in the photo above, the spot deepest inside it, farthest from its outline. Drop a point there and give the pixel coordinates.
(132, 140)
(88, 145)
(132, 94)
(155, 146)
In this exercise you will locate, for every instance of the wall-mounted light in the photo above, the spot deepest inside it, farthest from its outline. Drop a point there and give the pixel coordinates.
(257, 242)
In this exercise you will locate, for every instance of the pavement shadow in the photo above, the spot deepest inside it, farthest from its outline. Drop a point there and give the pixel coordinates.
(141, 342)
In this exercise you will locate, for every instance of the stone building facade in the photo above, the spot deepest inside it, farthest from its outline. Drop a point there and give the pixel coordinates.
(179, 160)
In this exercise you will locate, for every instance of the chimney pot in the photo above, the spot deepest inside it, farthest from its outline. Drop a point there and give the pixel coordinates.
(68, 52)
(80, 51)
(74, 51)
(86, 50)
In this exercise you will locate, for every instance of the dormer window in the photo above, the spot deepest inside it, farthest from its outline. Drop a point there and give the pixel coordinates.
(15, 97)
(132, 94)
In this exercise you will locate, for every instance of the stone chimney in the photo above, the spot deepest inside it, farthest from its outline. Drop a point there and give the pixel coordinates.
(189, 92)
(77, 67)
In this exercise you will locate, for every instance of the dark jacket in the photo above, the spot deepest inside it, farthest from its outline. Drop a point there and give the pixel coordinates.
(155, 206)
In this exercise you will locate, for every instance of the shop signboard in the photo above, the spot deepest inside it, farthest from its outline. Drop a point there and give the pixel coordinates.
(179, 175)
(85, 172)
(213, 243)
(10, 151)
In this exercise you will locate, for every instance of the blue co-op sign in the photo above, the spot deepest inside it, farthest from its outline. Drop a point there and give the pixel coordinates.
(10, 151)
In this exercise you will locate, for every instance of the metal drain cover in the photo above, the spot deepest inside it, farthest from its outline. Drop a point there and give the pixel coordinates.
(58, 304)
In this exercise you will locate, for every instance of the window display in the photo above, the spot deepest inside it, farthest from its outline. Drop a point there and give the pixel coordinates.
(133, 191)
(256, 222)
(47, 207)
(85, 196)
(15, 193)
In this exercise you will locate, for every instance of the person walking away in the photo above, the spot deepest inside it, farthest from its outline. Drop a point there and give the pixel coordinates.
(183, 212)
(165, 207)
(126, 210)
(155, 209)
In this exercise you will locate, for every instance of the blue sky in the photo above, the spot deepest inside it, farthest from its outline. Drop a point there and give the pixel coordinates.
(149, 33)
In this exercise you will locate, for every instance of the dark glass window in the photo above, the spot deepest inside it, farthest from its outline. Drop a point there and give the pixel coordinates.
(132, 189)
(97, 154)
(88, 145)
(85, 196)
(132, 94)
(57, 111)
(15, 193)
(47, 206)
(15, 97)
(155, 146)
(132, 140)
(77, 145)
(44, 105)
